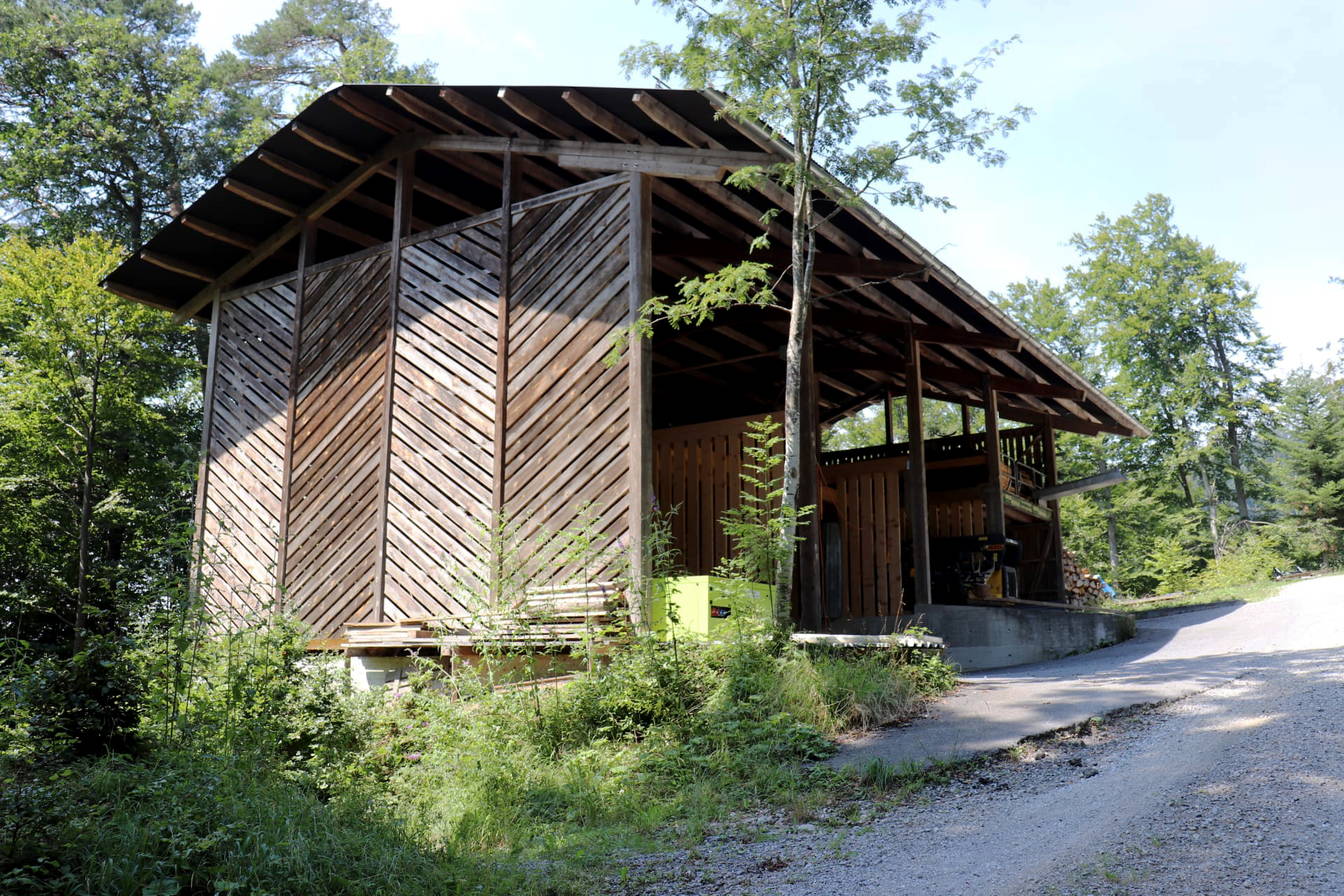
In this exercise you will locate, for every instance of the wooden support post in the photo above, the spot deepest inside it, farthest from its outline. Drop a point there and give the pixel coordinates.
(994, 521)
(886, 410)
(917, 482)
(498, 495)
(639, 357)
(307, 250)
(1056, 558)
(965, 419)
(203, 465)
(400, 221)
(809, 549)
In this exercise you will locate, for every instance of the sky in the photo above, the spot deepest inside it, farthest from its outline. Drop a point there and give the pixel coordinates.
(1232, 108)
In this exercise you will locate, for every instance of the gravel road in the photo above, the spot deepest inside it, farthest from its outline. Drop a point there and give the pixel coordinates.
(1238, 789)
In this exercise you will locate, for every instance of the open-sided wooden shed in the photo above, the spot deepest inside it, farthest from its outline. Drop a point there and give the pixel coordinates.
(411, 290)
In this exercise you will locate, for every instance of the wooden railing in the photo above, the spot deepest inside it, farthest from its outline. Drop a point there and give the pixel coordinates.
(1023, 451)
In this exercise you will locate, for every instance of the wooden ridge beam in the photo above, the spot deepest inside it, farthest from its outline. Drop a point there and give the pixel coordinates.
(824, 262)
(390, 150)
(605, 155)
(177, 266)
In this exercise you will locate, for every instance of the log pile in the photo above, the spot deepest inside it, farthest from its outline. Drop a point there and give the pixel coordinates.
(1083, 588)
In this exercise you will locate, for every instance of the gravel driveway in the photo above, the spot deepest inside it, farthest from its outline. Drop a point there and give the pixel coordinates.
(1238, 789)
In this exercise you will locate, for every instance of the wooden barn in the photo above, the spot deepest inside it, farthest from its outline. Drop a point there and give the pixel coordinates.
(411, 290)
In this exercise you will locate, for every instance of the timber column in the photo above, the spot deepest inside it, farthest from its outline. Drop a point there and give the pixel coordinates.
(917, 479)
(640, 420)
(994, 521)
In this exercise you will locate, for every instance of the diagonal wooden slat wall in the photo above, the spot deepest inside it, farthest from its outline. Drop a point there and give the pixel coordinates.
(427, 415)
(443, 421)
(335, 494)
(568, 428)
(246, 446)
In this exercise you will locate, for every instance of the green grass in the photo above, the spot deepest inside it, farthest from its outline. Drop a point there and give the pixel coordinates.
(459, 789)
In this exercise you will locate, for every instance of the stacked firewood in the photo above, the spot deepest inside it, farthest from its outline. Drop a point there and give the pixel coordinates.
(1083, 588)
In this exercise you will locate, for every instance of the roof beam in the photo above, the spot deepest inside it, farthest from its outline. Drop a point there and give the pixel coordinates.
(217, 233)
(304, 175)
(605, 155)
(351, 182)
(260, 197)
(605, 119)
(479, 114)
(852, 360)
(929, 333)
(177, 265)
(539, 116)
(823, 262)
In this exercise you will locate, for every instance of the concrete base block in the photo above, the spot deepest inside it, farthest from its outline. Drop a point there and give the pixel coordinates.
(980, 638)
(373, 673)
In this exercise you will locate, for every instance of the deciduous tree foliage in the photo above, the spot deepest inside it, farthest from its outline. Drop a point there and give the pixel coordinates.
(98, 406)
(1167, 327)
(846, 84)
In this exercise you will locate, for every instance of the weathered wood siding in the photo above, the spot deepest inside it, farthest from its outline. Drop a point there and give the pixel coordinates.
(868, 498)
(568, 439)
(698, 476)
(422, 528)
(334, 491)
(246, 449)
(443, 421)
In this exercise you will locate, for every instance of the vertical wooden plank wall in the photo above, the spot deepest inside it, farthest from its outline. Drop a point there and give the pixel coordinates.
(697, 475)
(568, 424)
(869, 500)
(245, 445)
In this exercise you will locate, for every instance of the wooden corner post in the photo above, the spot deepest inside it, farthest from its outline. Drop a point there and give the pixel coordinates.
(994, 520)
(640, 359)
(917, 480)
(400, 225)
(1056, 559)
(198, 546)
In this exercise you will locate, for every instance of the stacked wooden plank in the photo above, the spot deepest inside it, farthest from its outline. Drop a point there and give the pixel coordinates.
(1083, 586)
(547, 617)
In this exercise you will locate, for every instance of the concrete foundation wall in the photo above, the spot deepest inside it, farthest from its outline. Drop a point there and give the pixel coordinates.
(981, 638)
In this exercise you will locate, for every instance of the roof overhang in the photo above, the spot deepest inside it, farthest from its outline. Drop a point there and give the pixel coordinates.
(333, 167)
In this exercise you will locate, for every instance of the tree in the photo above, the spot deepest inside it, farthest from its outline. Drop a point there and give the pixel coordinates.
(97, 406)
(109, 119)
(1309, 469)
(311, 44)
(1181, 345)
(815, 72)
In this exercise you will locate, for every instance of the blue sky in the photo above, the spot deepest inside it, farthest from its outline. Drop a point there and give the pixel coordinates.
(1230, 107)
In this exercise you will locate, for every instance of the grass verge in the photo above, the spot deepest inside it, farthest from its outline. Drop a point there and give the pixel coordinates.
(456, 787)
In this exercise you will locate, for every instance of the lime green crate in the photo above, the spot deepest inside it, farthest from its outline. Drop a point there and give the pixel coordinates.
(708, 606)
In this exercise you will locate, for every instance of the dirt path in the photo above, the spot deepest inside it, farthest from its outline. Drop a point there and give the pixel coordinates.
(1238, 790)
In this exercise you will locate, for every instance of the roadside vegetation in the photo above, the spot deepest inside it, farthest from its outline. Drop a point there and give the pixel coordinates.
(261, 771)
